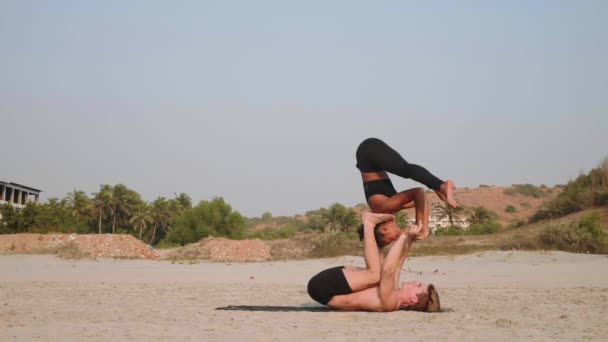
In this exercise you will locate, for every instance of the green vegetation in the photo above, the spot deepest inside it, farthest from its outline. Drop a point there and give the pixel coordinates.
(524, 189)
(118, 209)
(331, 245)
(208, 218)
(510, 209)
(481, 215)
(452, 214)
(284, 232)
(586, 236)
(337, 218)
(451, 230)
(584, 192)
(402, 219)
(481, 220)
(267, 216)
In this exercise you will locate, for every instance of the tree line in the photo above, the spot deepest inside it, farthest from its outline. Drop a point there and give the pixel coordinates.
(118, 209)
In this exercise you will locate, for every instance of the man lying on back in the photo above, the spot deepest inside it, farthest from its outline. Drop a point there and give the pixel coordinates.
(376, 288)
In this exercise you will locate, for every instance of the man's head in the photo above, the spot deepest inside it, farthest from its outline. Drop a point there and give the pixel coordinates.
(417, 296)
(384, 233)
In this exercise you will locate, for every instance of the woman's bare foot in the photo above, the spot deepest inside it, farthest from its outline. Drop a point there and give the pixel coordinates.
(414, 231)
(446, 193)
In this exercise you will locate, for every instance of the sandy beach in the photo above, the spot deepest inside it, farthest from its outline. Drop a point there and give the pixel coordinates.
(501, 296)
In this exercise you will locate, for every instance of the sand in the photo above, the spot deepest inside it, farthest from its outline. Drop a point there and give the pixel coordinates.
(502, 296)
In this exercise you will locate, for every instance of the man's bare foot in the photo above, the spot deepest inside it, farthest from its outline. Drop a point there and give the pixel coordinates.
(446, 193)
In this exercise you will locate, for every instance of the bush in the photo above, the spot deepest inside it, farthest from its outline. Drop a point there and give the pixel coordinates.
(452, 230)
(207, 218)
(518, 223)
(510, 209)
(586, 236)
(284, 232)
(524, 189)
(489, 227)
(583, 192)
(331, 245)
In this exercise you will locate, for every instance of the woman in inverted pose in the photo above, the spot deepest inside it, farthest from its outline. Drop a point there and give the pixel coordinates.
(374, 159)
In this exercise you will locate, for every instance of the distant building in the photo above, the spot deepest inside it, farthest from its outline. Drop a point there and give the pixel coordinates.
(437, 220)
(18, 195)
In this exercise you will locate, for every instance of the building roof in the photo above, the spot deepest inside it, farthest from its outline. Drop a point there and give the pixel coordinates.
(20, 186)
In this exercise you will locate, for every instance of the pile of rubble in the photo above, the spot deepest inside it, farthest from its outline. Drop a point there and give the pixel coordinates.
(221, 249)
(95, 245)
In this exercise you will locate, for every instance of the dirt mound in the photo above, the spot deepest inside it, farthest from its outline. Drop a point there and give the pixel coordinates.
(93, 245)
(221, 249)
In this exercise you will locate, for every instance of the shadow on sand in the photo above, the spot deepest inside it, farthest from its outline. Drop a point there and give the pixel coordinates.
(303, 308)
(271, 308)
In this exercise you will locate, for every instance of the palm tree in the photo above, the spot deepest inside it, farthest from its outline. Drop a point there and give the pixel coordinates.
(161, 216)
(184, 201)
(480, 215)
(337, 217)
(79, 205)
(102, 203)
(451, 213)
(141, 218)
(119, 204)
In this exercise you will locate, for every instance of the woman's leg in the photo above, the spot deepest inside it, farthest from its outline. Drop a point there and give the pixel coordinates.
(381, 156)
(384, 157)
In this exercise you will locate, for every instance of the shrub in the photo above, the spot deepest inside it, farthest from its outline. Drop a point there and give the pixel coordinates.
(510, 209)
(524, 189)
(489, 227)
(583, 192)
(284, 232)
(519, 242)
(586, 236)
(208, 218)
(452, 230)
(331, 245)
(518, 223)
(481, 215)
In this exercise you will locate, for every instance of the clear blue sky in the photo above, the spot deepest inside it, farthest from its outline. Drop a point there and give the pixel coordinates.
(265, 102)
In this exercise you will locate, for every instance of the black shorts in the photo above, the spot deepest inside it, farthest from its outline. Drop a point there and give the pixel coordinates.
(374, 155)
(327, 284)
(379, 187)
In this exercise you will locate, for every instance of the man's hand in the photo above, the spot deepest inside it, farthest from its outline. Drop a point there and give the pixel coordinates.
(372, 219)
(415, 232)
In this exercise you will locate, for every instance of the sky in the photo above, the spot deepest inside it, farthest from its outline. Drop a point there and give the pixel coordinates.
(265, 102)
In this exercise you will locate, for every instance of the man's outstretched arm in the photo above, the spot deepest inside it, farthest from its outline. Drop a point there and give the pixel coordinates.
(362, 279)
(392, 264)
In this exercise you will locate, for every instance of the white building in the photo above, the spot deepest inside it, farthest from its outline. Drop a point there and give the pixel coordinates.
(18, 195)
(436, 221)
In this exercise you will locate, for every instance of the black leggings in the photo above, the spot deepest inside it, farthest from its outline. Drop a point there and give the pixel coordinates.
(374, 155)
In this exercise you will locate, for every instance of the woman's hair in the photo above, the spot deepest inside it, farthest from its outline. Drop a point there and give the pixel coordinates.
(378, 235)
(427, 302)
